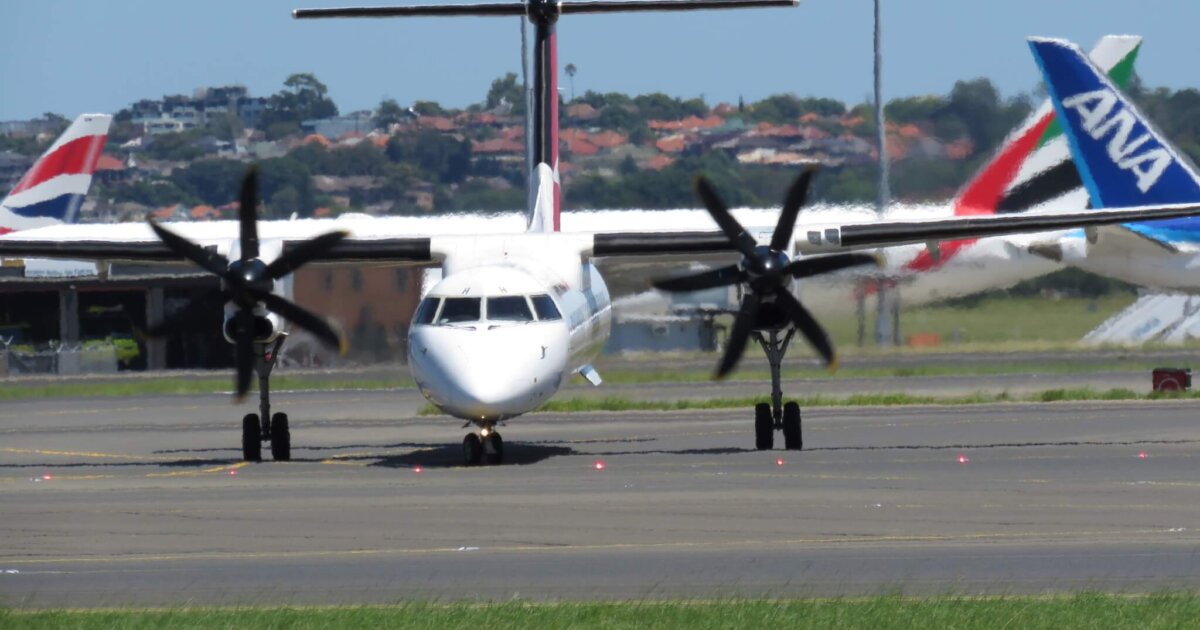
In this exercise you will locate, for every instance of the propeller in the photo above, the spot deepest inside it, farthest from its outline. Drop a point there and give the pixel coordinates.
(766, 273)
(248, 282)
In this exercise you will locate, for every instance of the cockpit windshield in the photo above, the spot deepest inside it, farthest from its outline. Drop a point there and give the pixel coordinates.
(435, 310)
(426, 310)
(509, 308)
(459, 309)
(546, 310)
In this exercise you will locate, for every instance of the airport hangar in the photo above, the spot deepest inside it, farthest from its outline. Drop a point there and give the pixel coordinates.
(65, 305)
(50, 307)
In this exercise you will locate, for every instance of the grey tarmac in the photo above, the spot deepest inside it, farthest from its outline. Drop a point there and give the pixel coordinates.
(143, 501)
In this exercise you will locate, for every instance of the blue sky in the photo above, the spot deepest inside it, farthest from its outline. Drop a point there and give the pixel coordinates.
(70, 56)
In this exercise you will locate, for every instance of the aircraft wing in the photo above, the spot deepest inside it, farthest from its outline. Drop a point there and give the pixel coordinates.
(819, 239)
(385, 242)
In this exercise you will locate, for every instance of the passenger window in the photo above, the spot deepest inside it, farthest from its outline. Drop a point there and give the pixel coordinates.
(426, 310)
(546, 310)
(510, 308)
(457, 310)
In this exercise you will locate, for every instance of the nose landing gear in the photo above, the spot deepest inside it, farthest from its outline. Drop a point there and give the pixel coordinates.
(776, 415)
(486, 447)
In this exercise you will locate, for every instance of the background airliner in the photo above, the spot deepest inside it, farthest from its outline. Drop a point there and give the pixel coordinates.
(1125, 161)
(51, 192)
(516, 314)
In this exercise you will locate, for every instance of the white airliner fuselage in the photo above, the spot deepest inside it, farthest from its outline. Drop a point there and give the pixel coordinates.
(512, 318)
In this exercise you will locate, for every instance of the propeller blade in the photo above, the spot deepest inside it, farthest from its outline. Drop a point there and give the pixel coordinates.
(807, 324)
(304, 319)
(176, 320)
(723, 276)
(209, 260)
(781, 239)
(244, 327)
(295, 258)
(738, 236)
(815, 266)
(743, 325)
(248, 214)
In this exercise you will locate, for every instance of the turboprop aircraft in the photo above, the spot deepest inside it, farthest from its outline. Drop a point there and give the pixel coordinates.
(516, 314)
(1125, 161)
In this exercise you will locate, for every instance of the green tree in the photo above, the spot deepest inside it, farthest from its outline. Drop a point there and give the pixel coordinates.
(174, 146)
(303, 98)
(277, 175)
(442, 157)
(215, 182)
(428, 108)
(388, 113)
(506, 90)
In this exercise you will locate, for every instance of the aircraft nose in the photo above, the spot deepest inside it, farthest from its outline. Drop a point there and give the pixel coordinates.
(488, 374)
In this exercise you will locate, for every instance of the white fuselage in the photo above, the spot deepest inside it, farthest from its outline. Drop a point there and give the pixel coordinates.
(512, 318)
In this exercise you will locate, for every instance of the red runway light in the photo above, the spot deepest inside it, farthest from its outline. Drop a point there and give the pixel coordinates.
(1142, 455)
(47, 477)
(599, 464)
(962, 459)
(779, 462)
(233, 472)
(417, 469)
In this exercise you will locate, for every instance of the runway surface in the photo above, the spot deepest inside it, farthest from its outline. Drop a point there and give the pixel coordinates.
(143, 501)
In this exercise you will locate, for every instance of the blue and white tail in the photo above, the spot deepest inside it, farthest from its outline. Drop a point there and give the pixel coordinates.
(1122, 158)
(55, 186)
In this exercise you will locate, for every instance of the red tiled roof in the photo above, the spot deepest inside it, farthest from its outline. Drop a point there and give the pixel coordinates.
(109, 163)
(498, 145)
(659, 162)
(609, 139)
(671, 144)
(316, 138)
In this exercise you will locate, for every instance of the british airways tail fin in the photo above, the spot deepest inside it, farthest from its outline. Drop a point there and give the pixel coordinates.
(55, 186)
(1122, 158)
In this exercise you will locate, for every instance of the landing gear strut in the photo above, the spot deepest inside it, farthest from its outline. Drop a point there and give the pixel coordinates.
(486, 447)
(776, 416)
(264, 427)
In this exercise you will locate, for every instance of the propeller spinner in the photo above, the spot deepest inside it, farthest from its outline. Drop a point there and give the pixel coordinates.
(766, 273)
(247, 283)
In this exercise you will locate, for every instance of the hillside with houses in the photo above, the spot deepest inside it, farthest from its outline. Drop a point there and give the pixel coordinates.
(181, 157)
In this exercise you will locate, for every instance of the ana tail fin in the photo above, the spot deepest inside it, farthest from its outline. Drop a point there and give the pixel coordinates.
(1122, 158)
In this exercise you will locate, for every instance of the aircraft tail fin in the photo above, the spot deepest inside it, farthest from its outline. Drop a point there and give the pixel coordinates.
(1122, 158)
(1032, 167)
(52, 190)
(544, 186)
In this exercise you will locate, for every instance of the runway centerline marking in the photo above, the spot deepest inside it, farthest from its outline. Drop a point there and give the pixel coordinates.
(849, 540)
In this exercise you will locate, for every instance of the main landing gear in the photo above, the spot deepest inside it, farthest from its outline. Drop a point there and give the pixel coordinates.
(263, 426)
(486, 447)
(776, 416)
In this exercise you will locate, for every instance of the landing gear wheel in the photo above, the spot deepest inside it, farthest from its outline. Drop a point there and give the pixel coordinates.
(493, 449)
(472, 450)
(251, 438)
(792, 439)
(281, 438)
(764, 427)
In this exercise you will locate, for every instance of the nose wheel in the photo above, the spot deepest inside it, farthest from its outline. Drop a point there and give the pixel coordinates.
(776, 416)
(486, 447)
(263, 426)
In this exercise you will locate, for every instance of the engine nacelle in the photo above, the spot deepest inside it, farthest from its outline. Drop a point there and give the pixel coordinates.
(267, 326)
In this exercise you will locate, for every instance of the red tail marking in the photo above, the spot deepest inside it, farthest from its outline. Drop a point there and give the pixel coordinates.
(984, 192)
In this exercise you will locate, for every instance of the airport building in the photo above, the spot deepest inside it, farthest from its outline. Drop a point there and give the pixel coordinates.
(67, 318)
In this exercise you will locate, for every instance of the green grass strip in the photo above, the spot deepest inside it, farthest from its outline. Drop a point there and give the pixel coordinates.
(22, 390)
(1087, 610)
(618, 403)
